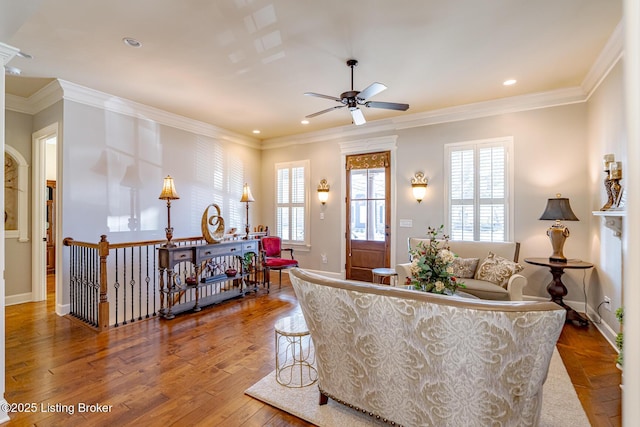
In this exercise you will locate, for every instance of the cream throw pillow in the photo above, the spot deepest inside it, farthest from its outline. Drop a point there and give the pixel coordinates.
(498, 270)
(464, 268)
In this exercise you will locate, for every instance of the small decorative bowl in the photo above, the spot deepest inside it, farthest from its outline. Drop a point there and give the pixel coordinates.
(231, 272)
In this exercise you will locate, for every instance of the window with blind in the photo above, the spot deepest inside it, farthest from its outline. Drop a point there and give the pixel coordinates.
(292, 195)
(479, 193)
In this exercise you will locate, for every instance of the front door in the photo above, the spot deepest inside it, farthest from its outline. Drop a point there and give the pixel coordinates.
(368, 214)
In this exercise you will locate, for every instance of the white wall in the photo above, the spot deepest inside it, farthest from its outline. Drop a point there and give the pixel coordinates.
(325, 233)
(97, 148)
(18, 254)
(606, 134)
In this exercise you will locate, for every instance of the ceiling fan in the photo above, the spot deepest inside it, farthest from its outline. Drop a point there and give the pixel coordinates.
(353, 99)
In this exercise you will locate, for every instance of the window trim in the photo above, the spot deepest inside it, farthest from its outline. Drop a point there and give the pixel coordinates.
(307, 214)
(21, 232)
(507, 143)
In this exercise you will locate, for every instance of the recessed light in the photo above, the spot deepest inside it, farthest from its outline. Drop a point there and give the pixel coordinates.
(305, 122)
(131, 42)
(12, 71)
(256, 131)
(509, 82)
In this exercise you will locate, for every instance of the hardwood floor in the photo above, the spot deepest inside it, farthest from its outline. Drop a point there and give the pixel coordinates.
(193, 370)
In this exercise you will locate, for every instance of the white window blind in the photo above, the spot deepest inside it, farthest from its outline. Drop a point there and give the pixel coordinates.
(292, 193)
(479, 190)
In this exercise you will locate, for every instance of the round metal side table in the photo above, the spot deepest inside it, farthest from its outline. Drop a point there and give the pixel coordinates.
(380, 273)
(294, 353)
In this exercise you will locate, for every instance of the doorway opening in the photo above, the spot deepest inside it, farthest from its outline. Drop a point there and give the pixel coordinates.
(45, 226)
(368, 184)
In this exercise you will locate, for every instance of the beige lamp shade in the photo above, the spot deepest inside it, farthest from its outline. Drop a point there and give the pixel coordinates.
(246, 194)
(168, 190)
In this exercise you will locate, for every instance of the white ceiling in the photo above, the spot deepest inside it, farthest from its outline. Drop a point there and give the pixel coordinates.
(245, 64)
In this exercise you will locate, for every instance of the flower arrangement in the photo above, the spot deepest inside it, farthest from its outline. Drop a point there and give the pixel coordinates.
(431, 268)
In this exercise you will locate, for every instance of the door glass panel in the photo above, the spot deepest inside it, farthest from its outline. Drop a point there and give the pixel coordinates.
(376, 183)
(358, 220)
(359, 184)
(377, 231)
(368, 204)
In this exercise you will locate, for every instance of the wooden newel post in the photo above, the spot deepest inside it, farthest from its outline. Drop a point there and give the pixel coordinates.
(103, 307)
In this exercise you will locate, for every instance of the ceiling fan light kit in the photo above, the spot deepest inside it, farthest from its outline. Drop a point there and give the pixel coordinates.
(353, 99)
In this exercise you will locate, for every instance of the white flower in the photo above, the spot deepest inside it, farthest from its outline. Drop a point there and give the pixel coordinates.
(415, 270)
(446, 256)
(439, 286)
(449, 270)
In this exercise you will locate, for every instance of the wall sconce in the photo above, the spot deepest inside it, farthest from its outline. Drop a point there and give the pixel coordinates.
(323, 191)
(168, 193)
(419, 186)
(246, 198)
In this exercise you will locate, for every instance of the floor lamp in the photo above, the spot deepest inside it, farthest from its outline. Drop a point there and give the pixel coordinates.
(246, 198)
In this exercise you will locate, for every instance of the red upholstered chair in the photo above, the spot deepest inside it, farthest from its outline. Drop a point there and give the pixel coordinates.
(272, 258)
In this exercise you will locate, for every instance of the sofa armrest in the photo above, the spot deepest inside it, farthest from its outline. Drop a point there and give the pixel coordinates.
(516, 284)
(404, 271)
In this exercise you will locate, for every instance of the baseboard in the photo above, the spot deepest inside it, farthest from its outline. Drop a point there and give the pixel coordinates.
(4, 415)
(63, 309)
(18, 299)
(604, 329)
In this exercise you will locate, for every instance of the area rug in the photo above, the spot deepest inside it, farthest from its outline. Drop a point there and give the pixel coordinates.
(560, 404)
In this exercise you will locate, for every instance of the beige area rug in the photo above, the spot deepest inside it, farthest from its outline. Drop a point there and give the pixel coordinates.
(560, 404)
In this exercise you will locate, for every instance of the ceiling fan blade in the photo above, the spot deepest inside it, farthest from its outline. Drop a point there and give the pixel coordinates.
(387, 105)
(372, 90)
(357, 116)
(324, 111)
(319, 95)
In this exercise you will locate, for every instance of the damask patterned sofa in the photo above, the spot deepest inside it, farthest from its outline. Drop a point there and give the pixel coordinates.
(418, 359)
(492, 277)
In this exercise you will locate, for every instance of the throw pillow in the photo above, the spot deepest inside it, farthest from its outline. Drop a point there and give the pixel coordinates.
(498, 270)
(464, 268)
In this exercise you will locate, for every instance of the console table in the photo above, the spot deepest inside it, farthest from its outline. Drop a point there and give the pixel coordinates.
(194, 276)
(556, 288)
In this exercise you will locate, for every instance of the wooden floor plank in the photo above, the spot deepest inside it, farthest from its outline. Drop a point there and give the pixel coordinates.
(193, 370)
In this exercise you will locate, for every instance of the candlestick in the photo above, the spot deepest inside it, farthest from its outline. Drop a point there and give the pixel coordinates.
(608, 158)
(615, 170)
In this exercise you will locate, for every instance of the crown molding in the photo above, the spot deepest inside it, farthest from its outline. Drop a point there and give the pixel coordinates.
(341, 133)
(17, 104)
(44, 98)
(62, 89)
(7, 53)
(609, 56)
(458, 113)
(83, 95)
(494, 107)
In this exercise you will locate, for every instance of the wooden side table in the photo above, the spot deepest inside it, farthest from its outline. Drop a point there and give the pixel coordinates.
(557, 289)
